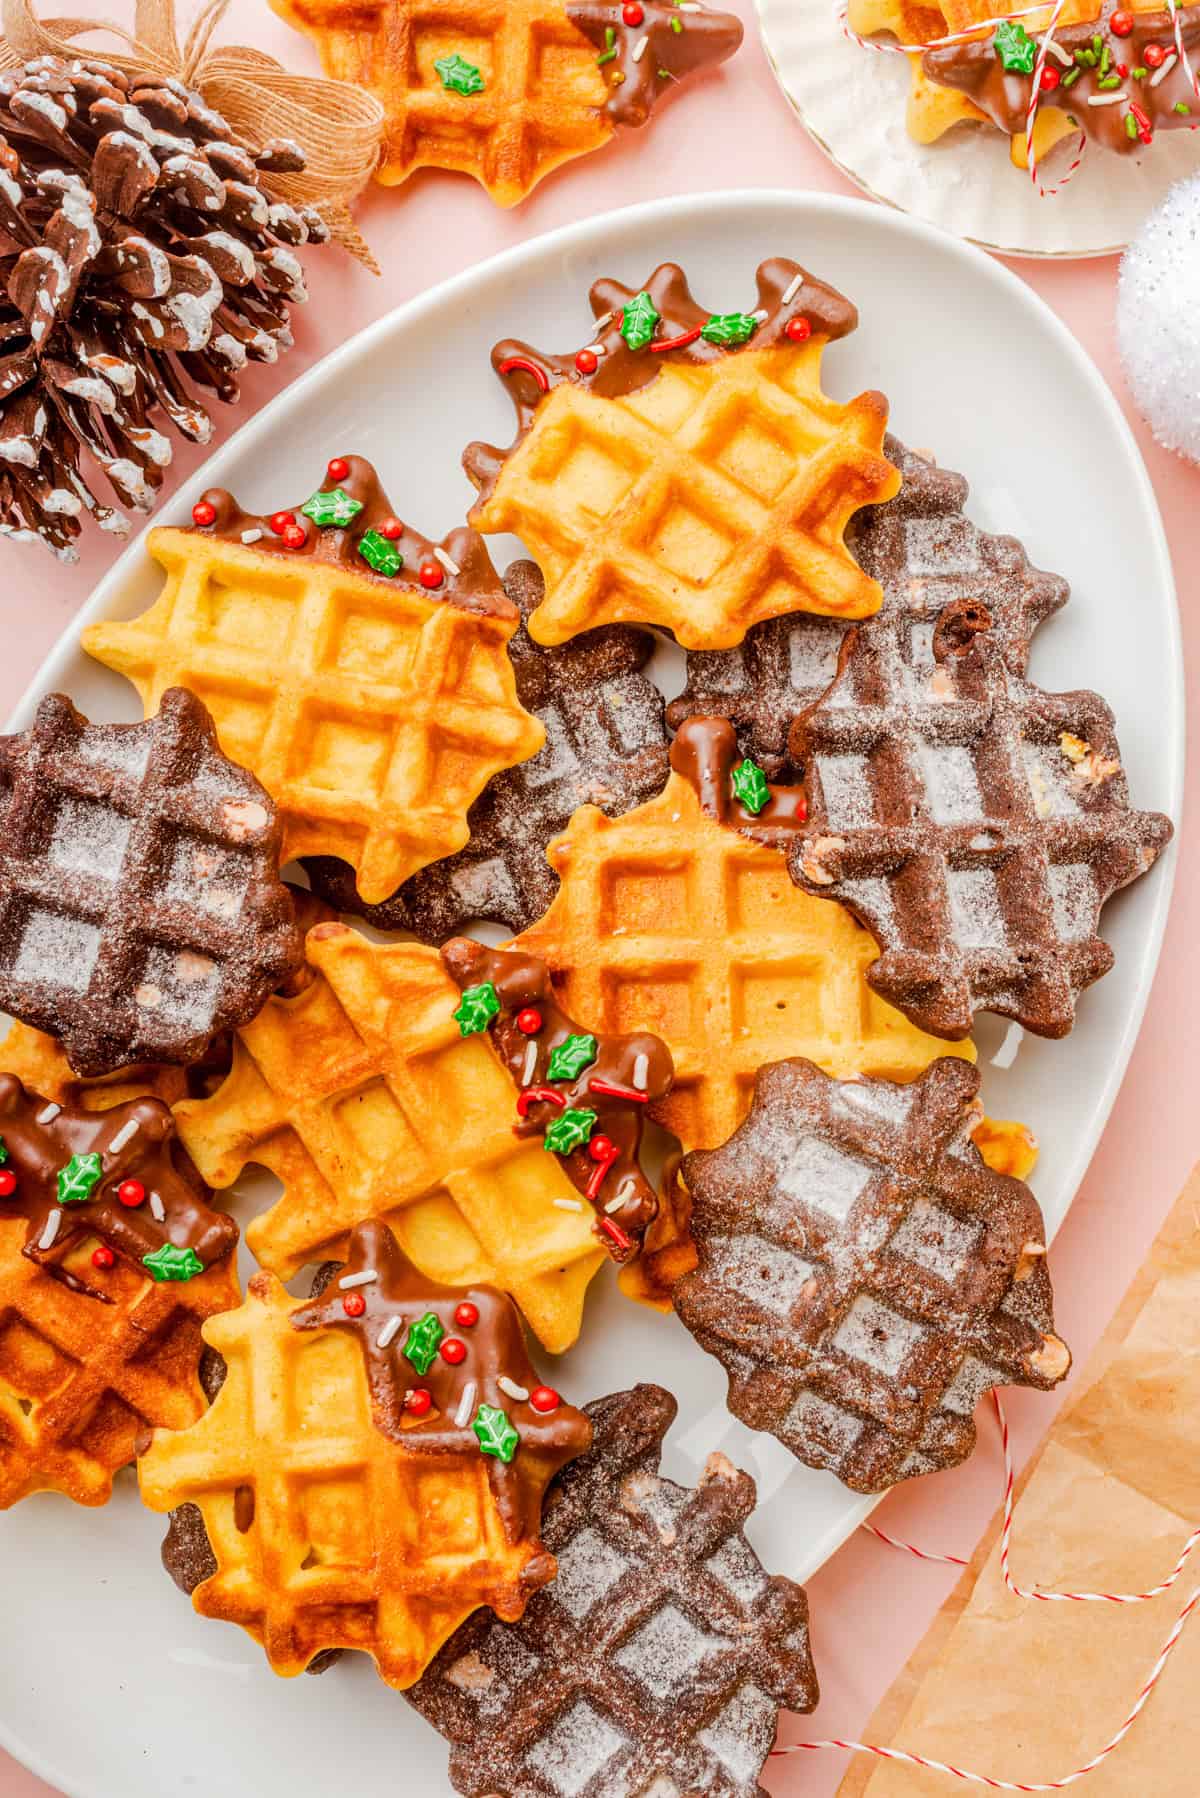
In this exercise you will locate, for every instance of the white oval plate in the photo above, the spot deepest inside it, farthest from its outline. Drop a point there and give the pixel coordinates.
(110, 1686)
(851, 101)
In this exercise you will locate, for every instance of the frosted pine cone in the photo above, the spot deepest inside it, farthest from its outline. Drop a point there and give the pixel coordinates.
(141, 258)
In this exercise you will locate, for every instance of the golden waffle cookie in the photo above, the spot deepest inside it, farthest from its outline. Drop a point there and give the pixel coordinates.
(365, 1100)
(101, 1301)
(932, 110)
(698, 483)
(374, 708)
(40, 1064)
(506, 90)
(339, 1516)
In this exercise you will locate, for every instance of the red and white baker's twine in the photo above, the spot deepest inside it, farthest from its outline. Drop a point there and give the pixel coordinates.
(972, 35)
(1139, 1704)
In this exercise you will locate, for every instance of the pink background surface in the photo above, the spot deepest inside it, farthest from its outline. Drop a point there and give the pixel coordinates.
(870, 1605)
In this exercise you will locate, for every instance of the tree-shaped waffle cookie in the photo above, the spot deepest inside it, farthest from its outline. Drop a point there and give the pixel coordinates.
(975, 824)
(606, 745)
(141, 910)
(864, 1277)
(656, 1661)
(359, 669)
(110, 1259)
(684, 468)
(925, 553)
(364, 1098)
(585, 1096)
(372, 1469)
(506, 90)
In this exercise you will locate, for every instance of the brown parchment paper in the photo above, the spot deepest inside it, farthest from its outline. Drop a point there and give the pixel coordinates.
(1026, 1691)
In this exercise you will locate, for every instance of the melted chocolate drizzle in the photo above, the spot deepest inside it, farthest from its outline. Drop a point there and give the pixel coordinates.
(704, 753)
(680, 41)
(625, 1201)
(621, 371)
(496, 1349)
(475, 588)
(975, 70)
(41, 1138)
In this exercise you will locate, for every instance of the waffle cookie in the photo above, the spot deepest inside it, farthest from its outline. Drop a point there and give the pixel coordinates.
(864, 1278)
(931, 110)
(372, 1468)
(924, 552)
(507, 90)
(141, 910)
(361, 1095)
(606, 745)
(360, 670)
(684, 469)
(110, 1260)
(585, 1096)
(973, 823)
(655, 1663)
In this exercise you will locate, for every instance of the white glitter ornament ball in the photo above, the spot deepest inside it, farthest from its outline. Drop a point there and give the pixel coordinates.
(1158, 319)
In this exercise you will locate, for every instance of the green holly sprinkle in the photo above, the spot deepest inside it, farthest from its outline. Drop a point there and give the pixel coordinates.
(497, 1436)
(424, 1340)
(610, 47)
(1015, 48)
(171, 1263)
(78, 1179)
(569, 1130)
(331, 505)
(570, 1058)
(478, 1007)
(3, 1151)
(639, 321)
(381, 555)
(729, 328)
(749, 784)
(459, 76)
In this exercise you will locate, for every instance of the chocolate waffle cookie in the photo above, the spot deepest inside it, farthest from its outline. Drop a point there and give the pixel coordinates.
(925, 553)
(684, 468)
(658, 1659)
(141, 911)
(863, 1276)
(975, 824)
(606, 745)
(373, 1465)
(110, 1259)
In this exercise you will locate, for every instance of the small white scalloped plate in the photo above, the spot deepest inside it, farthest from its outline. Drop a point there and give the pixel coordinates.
(851, 101)
(110, 1685)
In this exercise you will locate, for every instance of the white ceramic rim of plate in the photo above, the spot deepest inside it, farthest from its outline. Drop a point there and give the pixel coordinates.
(937, 170)
(259, 430)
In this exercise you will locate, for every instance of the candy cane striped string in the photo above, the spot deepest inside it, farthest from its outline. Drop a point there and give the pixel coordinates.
(1189, 71)
(1031, 113)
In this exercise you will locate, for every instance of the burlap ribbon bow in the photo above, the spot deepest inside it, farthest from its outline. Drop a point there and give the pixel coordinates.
(339, 127)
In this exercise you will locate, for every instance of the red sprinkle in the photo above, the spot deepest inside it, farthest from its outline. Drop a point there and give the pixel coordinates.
(533, 1095)
(587, 362)
(418, 1402)
(677, 343)
(529, 1021)
(453, 1351)
(279, 521)
(615, 1233)
(295, 536)
(1123, 70)
(204, 512)
(467, 1315)
(798, 329)
(530, 368)
(131, 1192)
(1154, 56)
(103, 1257)
(338, 469)
(602, 1148)
(1050, 79)
(544, 1398)
(8, 1183)
(1121, 24)
(611, 1090)
(353, 1303)
(633, 14)
(431, 574)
